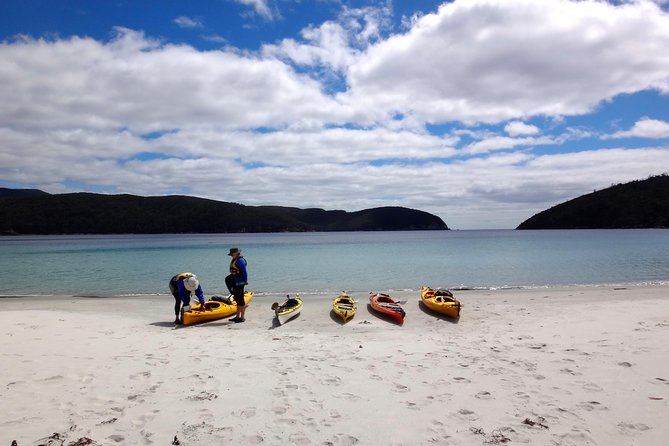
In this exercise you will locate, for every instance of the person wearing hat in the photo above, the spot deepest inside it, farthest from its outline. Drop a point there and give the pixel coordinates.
(236, 280)
(181, 287)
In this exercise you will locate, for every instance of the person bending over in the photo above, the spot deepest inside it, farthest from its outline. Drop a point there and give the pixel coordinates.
(182, 286)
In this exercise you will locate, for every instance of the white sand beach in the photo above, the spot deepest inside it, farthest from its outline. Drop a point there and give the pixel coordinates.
(560, 366)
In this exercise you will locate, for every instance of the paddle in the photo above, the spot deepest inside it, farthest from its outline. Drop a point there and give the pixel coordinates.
(275, 305)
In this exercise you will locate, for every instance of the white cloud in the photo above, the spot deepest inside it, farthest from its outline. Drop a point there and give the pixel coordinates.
(303, 148)
(327, 45)
(260, 128)
(645, 128)
(334, 44)
(515, 128)
(495, 60)
(137, 83)
(214, 38)
(261, 7)
(504, 142)
(188, 22)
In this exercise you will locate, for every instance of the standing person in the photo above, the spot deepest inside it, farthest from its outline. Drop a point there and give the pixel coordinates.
(236, 280)
(181, 287)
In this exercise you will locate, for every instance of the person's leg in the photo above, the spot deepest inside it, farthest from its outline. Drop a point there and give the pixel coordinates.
(230, 283)
(177, 308)
(177, 300)
(238, 294)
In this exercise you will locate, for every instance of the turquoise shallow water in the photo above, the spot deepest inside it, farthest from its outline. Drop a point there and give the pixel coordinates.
(331, 262)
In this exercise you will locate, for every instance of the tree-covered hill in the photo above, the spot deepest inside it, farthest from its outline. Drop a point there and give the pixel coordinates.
(638, 204)
(86, 213)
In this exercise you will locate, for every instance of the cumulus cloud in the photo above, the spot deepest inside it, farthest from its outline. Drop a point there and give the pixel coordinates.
(137, 83)
(645, 128)
(144, 116)
(188, 22)
(335, 44)
(261, 7)
(495, 60)
(515, 128)
(504, 142)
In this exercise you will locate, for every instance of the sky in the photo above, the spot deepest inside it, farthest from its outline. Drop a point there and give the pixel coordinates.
(483, 112)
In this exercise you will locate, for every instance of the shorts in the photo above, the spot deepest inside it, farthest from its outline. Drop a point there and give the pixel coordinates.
(238, 294)
(173, 287)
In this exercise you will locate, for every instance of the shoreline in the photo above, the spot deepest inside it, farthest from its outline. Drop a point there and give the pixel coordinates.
(459, 289)
(589, 364)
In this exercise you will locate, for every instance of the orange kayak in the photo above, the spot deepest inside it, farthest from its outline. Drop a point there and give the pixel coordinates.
(387, 306)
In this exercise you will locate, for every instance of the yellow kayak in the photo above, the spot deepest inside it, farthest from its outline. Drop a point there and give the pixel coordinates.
(214, 310)
(441, 301)
(344, 306)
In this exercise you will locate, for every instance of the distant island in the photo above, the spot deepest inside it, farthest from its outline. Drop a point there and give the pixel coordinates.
(32, 211)
(638, 204)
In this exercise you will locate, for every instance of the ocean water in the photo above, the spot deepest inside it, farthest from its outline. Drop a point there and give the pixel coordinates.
(331, 262)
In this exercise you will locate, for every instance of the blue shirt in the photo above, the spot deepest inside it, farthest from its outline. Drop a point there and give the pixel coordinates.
(242, 277)
(184, 294)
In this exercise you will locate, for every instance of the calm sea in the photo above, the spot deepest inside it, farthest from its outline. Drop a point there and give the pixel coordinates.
(331, 262)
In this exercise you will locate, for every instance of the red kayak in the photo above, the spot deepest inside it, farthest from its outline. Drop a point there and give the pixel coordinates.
(387, 306)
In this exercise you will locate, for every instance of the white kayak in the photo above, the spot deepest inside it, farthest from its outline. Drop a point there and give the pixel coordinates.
(287, 310)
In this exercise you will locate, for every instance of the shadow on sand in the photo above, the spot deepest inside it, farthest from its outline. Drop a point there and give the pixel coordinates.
(166, 325)
(382, 316)
(443, 317)
(335, 317)
(275, 321)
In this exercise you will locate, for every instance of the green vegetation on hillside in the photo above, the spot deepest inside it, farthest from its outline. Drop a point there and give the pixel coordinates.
(638, 204)
(87, 213)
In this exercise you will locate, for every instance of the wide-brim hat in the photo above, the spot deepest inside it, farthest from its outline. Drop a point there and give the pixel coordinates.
(234, 251)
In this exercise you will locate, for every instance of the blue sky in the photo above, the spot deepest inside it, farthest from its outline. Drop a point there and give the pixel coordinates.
(483, 112)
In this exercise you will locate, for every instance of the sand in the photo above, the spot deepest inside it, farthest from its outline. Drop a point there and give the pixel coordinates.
(563, 366)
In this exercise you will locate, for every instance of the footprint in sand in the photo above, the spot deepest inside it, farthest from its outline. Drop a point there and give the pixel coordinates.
(592, 387)
(252, 439)
(279, 410)
(331, 381)
(344, 440)
(347, 396)
(483, 395)
(249, 412)
(299, 439)
(631, 428)
(401, 388)
(135, 398)
(461, 379)
(592, 405)
(288, 421)
(139, 375)
(465, 412)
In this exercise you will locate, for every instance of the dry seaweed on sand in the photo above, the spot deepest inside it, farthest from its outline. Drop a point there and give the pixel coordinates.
(57, 439)
(83, 441)
(535, 423)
